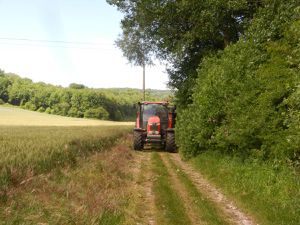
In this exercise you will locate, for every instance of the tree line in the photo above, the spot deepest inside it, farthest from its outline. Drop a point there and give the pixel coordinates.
(74, 101)
(235, 68)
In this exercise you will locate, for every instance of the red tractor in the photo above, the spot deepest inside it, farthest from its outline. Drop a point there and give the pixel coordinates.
(155, 124)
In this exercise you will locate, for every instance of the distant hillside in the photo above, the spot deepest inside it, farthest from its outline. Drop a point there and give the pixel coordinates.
(76, 100)
(151, 94)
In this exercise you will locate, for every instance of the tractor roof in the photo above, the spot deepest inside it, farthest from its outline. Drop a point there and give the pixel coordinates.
(152, 103)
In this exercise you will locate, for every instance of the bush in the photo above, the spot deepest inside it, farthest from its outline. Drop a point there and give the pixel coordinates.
(1, 102)
(97, 113)
(29, 106)
(48, 110)
(41, 109)
(72, 112)
(61, 109)
(80, 114)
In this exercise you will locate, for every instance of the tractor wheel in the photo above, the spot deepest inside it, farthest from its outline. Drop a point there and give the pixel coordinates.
(138, 141)
(170, 142)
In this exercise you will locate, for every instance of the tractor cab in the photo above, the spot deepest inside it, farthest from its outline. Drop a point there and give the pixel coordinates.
(154, 124)
(153, 115)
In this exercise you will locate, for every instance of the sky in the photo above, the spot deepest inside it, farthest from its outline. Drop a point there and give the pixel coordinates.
(44, 53)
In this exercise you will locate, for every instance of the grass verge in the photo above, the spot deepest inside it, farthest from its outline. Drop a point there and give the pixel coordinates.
(168, 203)
(208, 212)
(270, 193)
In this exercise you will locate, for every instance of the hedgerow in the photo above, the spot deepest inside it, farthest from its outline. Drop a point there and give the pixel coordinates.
(246, 100)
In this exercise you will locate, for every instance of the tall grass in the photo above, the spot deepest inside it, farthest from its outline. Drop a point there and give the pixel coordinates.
(269, 192)
(96, 191)
(26, 151)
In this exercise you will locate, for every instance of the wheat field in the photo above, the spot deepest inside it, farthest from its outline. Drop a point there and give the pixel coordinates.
(32, 143)
(13, 116)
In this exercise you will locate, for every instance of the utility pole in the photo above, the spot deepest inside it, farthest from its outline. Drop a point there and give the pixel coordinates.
(144, 77)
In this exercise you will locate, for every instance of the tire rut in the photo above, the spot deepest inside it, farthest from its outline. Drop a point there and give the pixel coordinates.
(182, 192)
(228, 207)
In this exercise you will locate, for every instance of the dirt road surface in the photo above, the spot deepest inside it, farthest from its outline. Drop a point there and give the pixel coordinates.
(202, 202)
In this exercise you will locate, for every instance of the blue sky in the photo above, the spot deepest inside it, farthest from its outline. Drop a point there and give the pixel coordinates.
(88, 21)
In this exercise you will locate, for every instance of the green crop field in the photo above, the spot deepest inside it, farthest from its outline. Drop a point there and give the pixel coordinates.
(38, 164)
(33, 143)
(13, 116)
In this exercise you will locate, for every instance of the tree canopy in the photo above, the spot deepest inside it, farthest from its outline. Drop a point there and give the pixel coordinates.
(235, 68)
(181, 33)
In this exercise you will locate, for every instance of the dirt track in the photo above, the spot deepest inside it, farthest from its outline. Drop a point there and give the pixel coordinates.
(222, 206)
(228, 207)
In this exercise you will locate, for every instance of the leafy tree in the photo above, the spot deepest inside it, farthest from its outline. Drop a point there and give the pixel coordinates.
(30, 106)
(4, 84)
(61, 108)
(97, 113)
(77, 101)
(76, 86)
(181, 33)
(20, 91)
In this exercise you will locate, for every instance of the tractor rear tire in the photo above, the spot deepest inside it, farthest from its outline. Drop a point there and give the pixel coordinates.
(170, 142)
(138, 143)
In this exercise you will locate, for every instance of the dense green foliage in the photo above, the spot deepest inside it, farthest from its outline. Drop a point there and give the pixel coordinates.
(271, 193)
(235, 65)
(99, 113)
(75, 101)
(181, 33)
(246, 100)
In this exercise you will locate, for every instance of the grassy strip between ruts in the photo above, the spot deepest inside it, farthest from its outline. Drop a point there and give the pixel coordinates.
(138, 200)
(208, 212)
(170, 208)
(27, 151)
(270, 193)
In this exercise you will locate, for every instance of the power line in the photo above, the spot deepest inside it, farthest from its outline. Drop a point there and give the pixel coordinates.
(61, 44)
(56, 46)
(51, 41)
